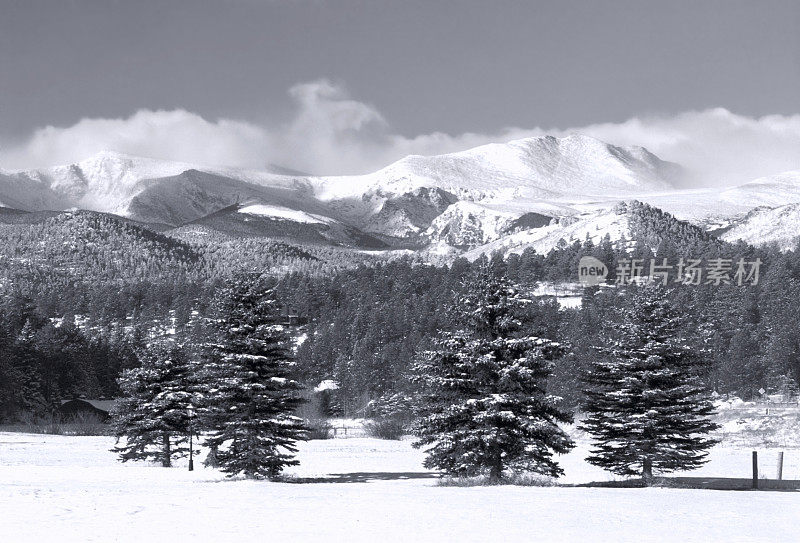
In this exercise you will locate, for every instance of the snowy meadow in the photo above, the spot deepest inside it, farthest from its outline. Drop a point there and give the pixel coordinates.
(71, 488)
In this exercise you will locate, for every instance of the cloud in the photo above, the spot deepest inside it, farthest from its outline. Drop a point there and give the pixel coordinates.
(719, 147)
(331, 133)
(171, 135)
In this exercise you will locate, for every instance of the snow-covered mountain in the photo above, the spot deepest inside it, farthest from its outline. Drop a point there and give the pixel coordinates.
(593, 225)
(535, 174)
(771, 191)
(527, 192)
(30, 193)
(466, 224)
(107, 182)
(765, 225)
(543, 168)
(399, 200)
(104, 182)
(759, 212)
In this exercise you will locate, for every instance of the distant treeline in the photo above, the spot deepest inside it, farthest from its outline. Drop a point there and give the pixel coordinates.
(367, 323)
(366, 315)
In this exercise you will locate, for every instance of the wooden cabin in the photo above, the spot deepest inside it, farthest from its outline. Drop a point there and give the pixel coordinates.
(84, 407)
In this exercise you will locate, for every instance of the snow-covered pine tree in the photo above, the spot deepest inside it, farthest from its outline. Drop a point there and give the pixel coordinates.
(153, 418)
(646, 406)
(483, 408)
(249, 396)
(27, 395)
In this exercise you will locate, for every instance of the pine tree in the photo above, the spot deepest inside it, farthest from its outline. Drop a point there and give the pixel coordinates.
(154, 416)
(249, 397)
(646, 406)
(28, 392)
(482, 401)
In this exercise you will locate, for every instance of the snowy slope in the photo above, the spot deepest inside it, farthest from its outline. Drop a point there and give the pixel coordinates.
(109, 181)
(520, 176)
(592, 225)
(703, 205)
(545, 167)
(771, 191)
(458, 201)
(762, 211)
(104, 182)
(399, 200)
(466, 224)
(30, 193)
(282, 213)
(780, 225)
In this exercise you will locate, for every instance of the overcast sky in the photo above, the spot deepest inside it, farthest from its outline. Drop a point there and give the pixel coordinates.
(347, 86)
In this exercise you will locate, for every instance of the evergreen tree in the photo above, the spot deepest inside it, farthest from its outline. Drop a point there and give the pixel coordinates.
(26, 367)
(250, 398)
(154, 416)
(482, 401)
(646, 406)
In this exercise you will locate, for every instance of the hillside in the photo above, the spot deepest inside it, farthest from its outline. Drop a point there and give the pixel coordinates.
(96, 246)
(399, 201)
(778, 226)
(543, 167)
(525, 193)
(631, 221)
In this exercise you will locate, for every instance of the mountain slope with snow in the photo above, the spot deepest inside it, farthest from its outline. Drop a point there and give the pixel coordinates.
(771, 191)
(764, 226)
(592, 225)
(109, 182)
(631, 220)
(30, 193)
(529, 192)
(104, 182)
(545, 167)
(523, 176)
(400, 200)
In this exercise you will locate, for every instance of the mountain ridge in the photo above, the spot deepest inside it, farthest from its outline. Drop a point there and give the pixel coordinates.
(461, 200)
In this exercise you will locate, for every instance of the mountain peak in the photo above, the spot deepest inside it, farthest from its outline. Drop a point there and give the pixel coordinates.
(109, 154)
(108, 158)
(538, 167)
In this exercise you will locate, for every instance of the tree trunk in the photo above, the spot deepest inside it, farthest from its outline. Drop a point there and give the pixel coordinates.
(211, 458)
(166, 460)
(496, 470)
(647, 469)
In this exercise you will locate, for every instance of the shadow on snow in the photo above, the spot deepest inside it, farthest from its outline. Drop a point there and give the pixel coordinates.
(362, 477)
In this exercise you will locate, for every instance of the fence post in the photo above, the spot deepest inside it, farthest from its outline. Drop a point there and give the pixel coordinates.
(780, 465)
(755, 470)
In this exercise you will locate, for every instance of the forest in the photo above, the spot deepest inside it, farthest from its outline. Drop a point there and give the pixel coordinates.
(84, 295)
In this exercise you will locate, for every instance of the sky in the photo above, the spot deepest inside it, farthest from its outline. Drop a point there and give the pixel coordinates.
(347, 86)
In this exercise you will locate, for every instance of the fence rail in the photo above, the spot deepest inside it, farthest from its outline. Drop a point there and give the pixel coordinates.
(344, 432)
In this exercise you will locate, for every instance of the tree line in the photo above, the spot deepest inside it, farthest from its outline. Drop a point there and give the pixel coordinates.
(477, 397)
(366, 322)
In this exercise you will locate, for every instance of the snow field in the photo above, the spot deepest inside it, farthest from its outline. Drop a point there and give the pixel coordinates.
(69, 488)
(283, 213)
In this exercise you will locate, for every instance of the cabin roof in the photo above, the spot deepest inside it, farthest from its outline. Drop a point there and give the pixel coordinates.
(102, 405)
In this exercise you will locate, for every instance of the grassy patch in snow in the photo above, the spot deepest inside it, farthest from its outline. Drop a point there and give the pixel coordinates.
(80, 425)
(385, 429)
(513, 479)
